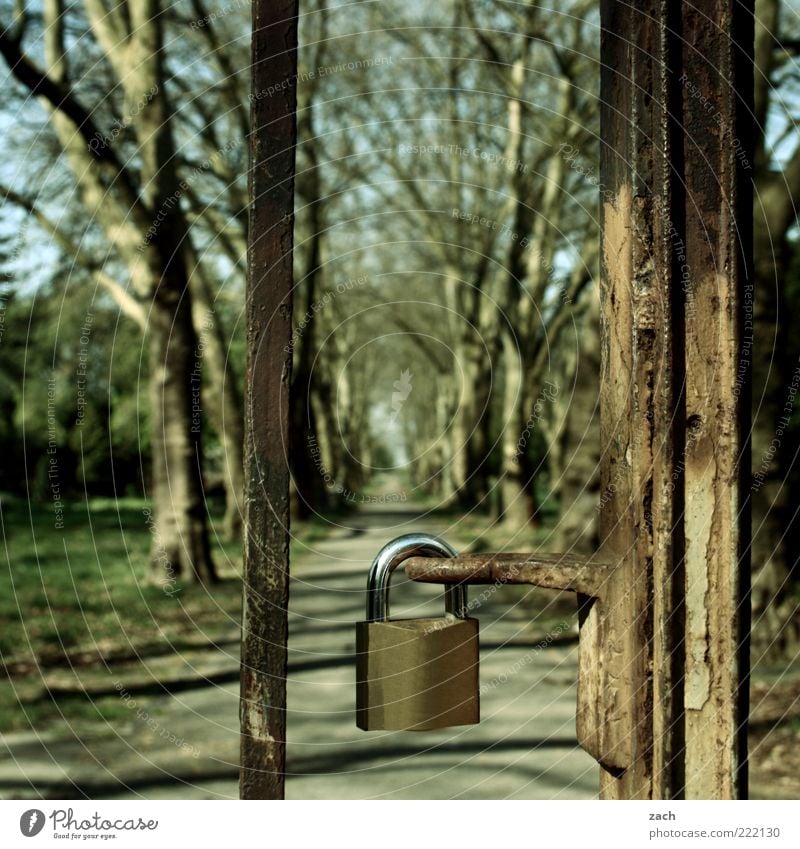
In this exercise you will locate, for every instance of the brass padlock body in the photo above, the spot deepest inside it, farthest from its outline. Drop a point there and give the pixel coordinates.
(417, 674)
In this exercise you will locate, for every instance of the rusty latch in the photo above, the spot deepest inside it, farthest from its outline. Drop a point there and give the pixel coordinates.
(603, 683)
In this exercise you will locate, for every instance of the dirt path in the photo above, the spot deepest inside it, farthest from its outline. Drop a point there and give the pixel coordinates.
(185, 744)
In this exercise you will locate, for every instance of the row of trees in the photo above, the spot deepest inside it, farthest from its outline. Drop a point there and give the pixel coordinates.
(490, 245)
(446, 264)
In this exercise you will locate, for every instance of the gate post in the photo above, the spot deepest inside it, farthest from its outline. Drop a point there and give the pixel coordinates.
(676, 296)
(269, 362)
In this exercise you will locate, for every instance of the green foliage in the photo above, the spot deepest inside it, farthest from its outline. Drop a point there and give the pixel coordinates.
(71, 397)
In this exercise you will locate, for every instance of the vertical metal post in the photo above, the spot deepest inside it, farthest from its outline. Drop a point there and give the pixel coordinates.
(717, 42)
(269, 360)
(676, 290)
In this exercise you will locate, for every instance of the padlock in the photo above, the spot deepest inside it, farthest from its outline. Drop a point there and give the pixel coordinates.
(415, 674)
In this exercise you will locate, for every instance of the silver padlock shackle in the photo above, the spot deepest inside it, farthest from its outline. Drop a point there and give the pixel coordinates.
(391, 556)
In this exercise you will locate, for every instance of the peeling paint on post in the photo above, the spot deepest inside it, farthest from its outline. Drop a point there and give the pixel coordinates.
(717, 91)
(269, 314)
(676, 266)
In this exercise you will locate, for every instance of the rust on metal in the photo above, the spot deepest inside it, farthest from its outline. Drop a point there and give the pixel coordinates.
(552, 571)
(717, 152)
(599, 728)
(639, 391)
(676, 83)
(269, 315)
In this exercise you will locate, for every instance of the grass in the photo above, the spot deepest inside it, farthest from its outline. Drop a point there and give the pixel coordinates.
(78, 594)
(83, 585)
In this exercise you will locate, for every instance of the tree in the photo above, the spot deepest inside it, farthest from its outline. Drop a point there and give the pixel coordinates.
(134, 199)
(776, 629)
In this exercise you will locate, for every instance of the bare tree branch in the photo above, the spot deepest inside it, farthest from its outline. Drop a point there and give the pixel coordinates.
(129, 305)
(61, 97)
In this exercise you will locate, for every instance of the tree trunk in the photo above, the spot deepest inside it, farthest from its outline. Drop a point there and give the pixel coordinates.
(516, 492)
(148, 231)
(577, 529)
(179, 548)
(310, 453)
(775, 626)
(223, 398)
(468, 472)
(463, 424)
(479, 371)
(180, 545)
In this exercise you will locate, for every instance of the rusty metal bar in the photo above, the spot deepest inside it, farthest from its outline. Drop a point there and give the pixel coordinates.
(589, 578)
(675, 89)
(269, 361)
(551, 571)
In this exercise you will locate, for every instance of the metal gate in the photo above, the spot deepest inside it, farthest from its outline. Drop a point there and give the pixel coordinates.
(664, 607)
